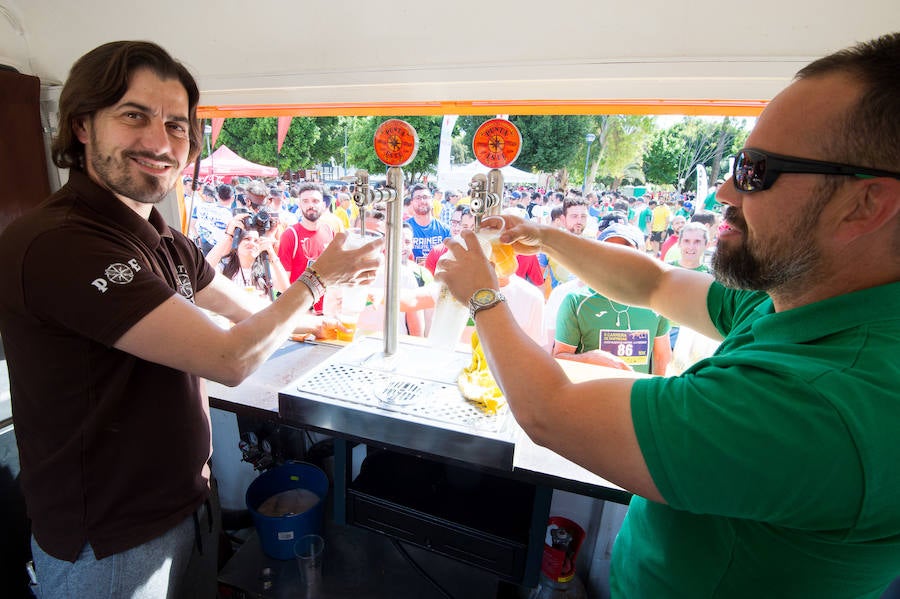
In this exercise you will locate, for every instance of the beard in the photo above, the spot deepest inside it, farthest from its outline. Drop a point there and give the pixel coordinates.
(780, 263)
(312, 214)
(116, 174)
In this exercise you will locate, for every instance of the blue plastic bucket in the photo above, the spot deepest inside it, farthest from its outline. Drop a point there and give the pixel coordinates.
(277, 535)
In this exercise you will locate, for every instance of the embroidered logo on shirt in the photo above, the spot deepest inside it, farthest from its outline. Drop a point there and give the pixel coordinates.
(185, 288)
(118, 273)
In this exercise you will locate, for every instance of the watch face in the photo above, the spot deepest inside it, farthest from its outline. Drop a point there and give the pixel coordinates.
(484, 296)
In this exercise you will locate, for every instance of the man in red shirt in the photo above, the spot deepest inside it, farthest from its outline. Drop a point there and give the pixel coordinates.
(305, 241)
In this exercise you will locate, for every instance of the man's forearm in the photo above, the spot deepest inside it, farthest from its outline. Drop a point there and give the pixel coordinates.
(259, 335)
(619, 273)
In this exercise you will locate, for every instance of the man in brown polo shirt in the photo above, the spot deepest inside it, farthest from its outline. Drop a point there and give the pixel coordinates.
(106, 342)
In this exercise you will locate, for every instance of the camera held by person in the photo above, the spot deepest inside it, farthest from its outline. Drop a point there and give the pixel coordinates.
(261, 220)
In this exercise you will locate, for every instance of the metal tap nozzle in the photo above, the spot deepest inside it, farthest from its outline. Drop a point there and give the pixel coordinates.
(483, 203)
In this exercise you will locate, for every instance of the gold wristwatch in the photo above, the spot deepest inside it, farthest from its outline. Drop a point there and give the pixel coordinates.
(483, 299)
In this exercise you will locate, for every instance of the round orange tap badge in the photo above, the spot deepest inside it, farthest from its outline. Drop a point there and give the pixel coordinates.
(497, 143)
(396, 142)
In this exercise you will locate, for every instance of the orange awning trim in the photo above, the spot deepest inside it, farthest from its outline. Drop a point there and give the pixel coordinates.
(492, 107)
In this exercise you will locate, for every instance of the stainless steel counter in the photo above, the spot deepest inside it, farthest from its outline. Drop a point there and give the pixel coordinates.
(258, 394)
(308, 385)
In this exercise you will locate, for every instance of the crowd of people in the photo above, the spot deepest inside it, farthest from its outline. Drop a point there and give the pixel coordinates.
(260, 235)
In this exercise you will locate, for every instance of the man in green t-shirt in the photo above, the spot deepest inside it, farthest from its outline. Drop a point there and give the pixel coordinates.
(645, 217)
(769, 468)
(688, 346)
(594, 329)
(710, 203)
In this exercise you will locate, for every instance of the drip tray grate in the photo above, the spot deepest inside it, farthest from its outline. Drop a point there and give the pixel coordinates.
(360, 381)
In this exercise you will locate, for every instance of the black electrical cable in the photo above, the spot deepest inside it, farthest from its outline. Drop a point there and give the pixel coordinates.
(419, 569)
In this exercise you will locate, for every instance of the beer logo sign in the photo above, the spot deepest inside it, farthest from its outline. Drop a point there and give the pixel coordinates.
(396, 142)
(497, 143)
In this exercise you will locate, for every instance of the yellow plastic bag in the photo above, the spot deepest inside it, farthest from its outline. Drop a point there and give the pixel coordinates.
(477, 384)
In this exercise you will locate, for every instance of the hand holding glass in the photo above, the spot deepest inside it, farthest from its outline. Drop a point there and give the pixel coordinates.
(352, 298)
(451, 316)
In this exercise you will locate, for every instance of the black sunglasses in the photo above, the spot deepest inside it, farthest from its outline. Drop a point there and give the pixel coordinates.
(755, 170)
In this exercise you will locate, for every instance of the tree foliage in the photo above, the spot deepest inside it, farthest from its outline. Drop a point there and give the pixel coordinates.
(328, 146)
(661, 158)
(674, 153)
(550, 143)
(362, 153)
(617, 149)
(255, 139)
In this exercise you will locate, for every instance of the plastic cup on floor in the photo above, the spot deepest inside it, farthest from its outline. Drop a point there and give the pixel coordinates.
(308, 552)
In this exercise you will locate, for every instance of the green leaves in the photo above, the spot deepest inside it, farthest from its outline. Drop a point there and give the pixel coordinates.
(626, 147)
(675, 152)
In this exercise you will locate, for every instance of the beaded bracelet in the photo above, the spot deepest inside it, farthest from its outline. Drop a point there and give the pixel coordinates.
(311, 279)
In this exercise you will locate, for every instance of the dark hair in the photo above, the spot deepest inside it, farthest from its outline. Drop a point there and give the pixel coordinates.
(616, 216)
(571, 201)
(100, 78)
(707, 218)
(417, 187)
(225, 191)
(870, 134)
(232, 263)
(307, 186)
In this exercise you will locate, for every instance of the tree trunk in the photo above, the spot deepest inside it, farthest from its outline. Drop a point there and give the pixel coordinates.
(562, 180)
(717, 157)
(598, 153)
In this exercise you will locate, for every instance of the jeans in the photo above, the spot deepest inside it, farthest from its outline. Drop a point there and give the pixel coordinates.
(164, 567)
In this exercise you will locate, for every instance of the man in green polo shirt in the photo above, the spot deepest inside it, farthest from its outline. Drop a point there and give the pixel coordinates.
(769, 468)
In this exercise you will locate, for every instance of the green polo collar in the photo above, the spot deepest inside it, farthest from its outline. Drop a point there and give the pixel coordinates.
(835, 314)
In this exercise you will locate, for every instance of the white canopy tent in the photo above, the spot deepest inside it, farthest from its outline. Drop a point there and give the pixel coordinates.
(459, 177)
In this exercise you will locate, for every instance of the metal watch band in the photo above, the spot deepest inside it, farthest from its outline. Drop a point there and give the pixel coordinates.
(475, 308)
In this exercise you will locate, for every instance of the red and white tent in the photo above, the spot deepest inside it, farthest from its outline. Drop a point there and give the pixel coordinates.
(225, 163)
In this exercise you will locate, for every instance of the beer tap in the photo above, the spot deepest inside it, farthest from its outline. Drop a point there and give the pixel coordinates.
(396, 144)
(364, 196)
(496, 143)
(485, 199)
(394, 222)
